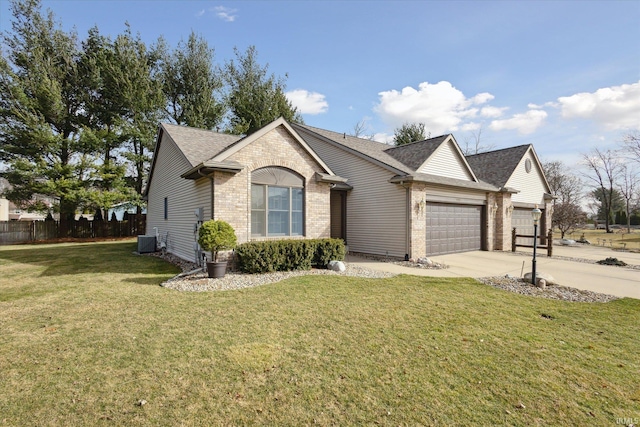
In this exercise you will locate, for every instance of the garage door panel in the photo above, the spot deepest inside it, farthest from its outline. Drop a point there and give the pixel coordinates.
(453, 228)
(522, 221)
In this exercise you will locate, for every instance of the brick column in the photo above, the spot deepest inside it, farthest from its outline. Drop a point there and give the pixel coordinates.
(417, 220)
(502, 241)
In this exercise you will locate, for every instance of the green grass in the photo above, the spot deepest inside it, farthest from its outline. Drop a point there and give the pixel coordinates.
(616, 239)
(87, 334)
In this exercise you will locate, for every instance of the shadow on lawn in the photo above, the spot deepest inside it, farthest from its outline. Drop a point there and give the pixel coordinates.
(80, 258)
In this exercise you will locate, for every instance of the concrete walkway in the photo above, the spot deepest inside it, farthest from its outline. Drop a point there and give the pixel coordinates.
(619, 281)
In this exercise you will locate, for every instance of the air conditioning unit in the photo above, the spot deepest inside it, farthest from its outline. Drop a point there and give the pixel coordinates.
(146, 244)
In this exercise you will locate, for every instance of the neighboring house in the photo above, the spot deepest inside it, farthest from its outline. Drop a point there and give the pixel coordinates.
(4, 203)
(297, 181)
(4, 209)
(10, 212)
(120, 209)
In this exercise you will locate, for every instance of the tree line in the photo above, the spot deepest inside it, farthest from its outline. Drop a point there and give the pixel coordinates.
(78, 117)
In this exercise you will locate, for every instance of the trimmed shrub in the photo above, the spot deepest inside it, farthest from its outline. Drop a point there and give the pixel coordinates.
(327, 250)
(288, 255)
(215, 236)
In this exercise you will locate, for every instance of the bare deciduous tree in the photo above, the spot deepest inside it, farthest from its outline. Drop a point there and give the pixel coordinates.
(360, 130)
(565, 186)
(631, 145)
(568, 217)
(602, 169)
(567, 190)
(473, 144)
(628, 187)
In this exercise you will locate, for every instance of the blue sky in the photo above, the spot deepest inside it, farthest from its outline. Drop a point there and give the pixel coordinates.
(564, 76)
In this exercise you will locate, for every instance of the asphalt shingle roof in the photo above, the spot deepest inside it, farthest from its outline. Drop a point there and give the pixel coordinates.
(199, 145)
(372, 149)
(496, 167)
(416, 153)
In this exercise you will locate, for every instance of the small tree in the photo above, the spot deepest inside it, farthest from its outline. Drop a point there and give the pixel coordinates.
(215, 236)
(409, 132)
(568, 217)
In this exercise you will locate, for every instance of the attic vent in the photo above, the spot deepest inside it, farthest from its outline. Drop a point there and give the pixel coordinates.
(527, 165)
(276, 176)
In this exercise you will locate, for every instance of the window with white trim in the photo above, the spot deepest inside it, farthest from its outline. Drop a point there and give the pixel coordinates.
(277, 203)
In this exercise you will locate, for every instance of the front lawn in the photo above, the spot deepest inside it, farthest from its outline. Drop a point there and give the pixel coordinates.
(89, 338)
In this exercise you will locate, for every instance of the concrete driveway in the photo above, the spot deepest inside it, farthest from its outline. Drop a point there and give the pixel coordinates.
(619, 281)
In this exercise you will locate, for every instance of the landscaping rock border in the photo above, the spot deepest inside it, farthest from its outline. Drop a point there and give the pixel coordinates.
(193, 279)
(563, 293)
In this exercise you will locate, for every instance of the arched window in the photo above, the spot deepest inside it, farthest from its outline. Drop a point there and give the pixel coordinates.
(277, 202)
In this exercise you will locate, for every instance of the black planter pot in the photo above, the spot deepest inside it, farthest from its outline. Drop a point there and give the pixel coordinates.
(216, 269)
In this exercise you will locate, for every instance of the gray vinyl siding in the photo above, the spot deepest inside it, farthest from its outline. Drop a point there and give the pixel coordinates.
(446, 162)
(455, 195)
(183, 197)
(376, 209)
(531, 186)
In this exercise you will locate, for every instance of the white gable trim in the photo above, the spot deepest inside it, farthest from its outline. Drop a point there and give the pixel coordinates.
(450, 141)
(538, 165)
(529, 183)
(263, 131)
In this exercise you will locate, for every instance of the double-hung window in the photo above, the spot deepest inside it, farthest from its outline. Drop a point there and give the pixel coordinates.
(277, 203)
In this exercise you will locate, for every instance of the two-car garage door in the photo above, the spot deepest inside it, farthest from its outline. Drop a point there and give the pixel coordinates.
(453, 228)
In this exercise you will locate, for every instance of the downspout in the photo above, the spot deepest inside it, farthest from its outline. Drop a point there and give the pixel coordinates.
(213, 194)
(407, 232)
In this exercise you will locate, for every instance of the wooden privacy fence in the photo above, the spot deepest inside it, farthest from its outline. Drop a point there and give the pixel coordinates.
(29, 231)
(548, 246)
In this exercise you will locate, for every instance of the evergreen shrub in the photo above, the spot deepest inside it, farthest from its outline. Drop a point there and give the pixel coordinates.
(288, 255)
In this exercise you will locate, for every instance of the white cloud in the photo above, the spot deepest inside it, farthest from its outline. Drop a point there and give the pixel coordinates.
(441, 107)
(524, 123)
(225, 13)
(616, 107)
(383, 137)
(482, 98)
(200, 13)
(492, 112)
(308, 102)
(471, 126)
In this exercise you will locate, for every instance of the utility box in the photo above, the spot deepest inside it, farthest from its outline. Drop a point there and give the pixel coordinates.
(146, 244)
(199, 214)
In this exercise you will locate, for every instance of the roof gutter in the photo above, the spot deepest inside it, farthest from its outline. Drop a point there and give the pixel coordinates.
(449, 182)
(333, 180)
(509, 190)
(209, 167)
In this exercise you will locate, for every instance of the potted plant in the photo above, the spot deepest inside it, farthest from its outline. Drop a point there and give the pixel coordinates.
(215, 236)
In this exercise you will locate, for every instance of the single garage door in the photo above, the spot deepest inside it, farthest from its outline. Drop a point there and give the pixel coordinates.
(522, 221)
(453, 228)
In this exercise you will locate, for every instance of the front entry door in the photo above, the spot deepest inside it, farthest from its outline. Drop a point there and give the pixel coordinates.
(338, 203)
